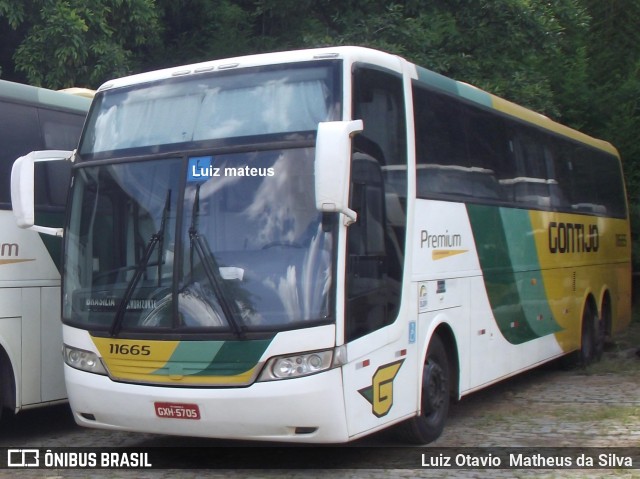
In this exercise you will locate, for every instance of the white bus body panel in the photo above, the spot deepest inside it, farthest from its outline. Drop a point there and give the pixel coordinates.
(30, 324)
(452, 290)
(262, 411)
(380, 384)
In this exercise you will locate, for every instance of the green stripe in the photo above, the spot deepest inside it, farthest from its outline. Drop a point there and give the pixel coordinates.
(512, 277)
(214, 358)
(474, 94)
(463, 90)
(436, 80)
(52, 243)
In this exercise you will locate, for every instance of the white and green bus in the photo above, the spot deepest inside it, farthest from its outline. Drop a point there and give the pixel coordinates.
(31, 371)
(315, 245)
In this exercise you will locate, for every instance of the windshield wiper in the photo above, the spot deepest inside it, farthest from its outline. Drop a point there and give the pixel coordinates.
(212, 270)
(142, 265)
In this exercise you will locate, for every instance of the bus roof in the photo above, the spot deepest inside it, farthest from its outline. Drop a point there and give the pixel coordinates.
(85, 92)
(43, 97)
(422, 75)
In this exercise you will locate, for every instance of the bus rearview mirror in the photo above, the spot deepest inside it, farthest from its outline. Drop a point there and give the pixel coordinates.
(332, 167)
(23, 191)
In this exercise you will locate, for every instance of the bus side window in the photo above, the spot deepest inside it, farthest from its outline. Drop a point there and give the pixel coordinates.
(462, 151)
(20, 138)
(59, 131)
(441, 154)
(607, 179)
(530, 184)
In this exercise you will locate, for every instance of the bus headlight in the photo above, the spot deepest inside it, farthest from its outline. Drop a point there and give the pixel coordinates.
(83, 360)
(297, 365)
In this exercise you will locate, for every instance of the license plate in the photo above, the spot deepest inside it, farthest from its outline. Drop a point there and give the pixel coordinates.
(173, 410)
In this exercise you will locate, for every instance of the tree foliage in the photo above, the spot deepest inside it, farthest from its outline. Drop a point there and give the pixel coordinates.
(197, 30)
(577, 61)
(76, 42)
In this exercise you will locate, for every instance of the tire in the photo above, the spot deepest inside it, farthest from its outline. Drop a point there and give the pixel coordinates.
(592, 337)
(434, 397)
(605, 328)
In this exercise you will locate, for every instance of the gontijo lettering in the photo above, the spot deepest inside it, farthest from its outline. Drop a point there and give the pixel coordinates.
(573, 238)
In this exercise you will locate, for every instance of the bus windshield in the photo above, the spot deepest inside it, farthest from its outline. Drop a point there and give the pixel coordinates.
(197, 213)
(201, 108)
(237, 252)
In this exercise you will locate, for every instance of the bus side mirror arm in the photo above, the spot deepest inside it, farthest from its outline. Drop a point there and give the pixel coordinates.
(333, 167)
(23, 190)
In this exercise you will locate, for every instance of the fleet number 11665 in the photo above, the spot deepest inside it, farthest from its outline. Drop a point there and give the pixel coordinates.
(130, 349)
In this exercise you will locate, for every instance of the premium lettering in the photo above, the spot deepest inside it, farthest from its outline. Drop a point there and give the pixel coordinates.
(445, 240)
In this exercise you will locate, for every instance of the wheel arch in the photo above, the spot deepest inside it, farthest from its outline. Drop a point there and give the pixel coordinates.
(7, 382)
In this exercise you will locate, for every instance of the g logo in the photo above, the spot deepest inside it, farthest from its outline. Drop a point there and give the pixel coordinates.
(380, 393)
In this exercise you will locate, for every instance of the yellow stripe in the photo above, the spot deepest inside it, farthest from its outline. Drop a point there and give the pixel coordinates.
(530, 116)
(568, 276)
(137, 366)
(446, 253)
(159, 351)
(11, 261)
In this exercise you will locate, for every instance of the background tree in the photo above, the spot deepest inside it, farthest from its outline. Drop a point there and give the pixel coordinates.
(58, 44)
(519, 50)
(198, 30)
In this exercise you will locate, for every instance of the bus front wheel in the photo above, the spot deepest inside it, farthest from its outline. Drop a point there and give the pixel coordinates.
(436, 379)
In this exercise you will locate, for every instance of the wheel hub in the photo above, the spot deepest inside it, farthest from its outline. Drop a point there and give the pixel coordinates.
(434, 392)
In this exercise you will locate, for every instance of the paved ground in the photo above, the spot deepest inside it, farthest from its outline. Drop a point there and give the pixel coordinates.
(551, 408)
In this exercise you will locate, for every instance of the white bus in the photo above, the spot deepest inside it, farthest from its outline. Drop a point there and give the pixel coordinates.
(30, 332)
(315, 245)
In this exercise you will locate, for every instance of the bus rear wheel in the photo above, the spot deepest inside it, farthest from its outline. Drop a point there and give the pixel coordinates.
(436, 379)
(592, 337)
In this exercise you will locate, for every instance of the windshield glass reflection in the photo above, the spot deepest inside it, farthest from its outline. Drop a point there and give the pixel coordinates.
(263, 233)
(207, 107)
(251, 252)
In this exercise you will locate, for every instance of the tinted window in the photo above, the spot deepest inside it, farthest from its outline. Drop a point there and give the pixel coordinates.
(60, 131)
(608, 183)
(461, 151)
(589, 181)
(490, 158)
(25, 128)
(441, 154)
(19, 134)
(529, 186)
(467, 153)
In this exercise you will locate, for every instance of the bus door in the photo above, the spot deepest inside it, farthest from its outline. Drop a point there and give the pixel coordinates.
(377, 351)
